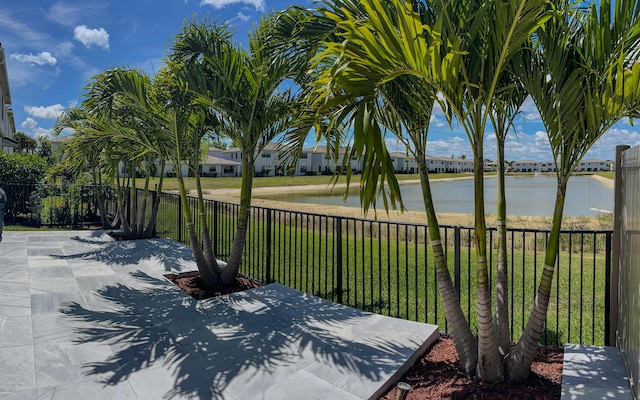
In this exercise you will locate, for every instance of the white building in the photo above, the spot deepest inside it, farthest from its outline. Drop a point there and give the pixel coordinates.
(526, 166)
(316, 161)
(437, 164)
(592, 165)
(7, 123)
(547, 166)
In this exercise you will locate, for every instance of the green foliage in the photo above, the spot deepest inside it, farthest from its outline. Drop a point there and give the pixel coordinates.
(17, 169)
(21, 168)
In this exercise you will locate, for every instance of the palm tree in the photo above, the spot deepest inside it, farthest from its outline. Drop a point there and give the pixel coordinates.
(581, 72)
(462, 54)
(111, 133)
(244, 91)
(507, 103)
(375, 96)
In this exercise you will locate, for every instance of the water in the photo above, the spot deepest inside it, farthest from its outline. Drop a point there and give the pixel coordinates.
(526, 196)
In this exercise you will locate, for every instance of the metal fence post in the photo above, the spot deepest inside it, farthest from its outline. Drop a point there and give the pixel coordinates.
(456, 259)
(179, 216)
(216, 210)
(267, 261)
(339, 259)
(615, 253)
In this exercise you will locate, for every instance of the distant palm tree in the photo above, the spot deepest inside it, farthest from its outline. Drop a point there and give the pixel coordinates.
(109, 132)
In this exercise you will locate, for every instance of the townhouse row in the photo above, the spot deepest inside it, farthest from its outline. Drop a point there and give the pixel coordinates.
(272, 161)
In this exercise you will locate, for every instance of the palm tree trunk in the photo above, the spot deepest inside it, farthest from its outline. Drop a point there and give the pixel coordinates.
(134, 202)
(208, 276)
(489, 361)
(211, 259)
(122, 205)
(501, 321)
(518, 362)
(235, 259)
(149, 230)
(465, 343)
(143, 211)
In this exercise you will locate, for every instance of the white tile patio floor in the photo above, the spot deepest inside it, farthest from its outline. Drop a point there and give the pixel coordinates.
(83, 316)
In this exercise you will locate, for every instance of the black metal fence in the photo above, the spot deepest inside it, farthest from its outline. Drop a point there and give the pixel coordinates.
(44, 205)
(387, 267)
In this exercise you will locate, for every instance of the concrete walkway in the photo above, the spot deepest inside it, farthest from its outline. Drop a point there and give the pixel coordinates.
(83, 316)
(594, 373)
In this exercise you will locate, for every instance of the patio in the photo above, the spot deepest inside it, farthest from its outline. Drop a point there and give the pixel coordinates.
(84, 316)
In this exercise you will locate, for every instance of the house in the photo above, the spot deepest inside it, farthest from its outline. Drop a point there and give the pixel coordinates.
(547, 166)
(317, 161)
(437, 164)
(400, 162)
(592, 165)
(526, 166)
(7, 122)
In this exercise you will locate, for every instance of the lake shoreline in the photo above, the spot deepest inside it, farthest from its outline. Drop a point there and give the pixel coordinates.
(450, 219)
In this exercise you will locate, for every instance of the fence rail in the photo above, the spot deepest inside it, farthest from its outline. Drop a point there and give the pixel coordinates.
(387, 267)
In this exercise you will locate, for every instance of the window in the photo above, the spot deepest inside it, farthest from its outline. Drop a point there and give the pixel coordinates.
(303, 169)
(266, 154)
(303, 156)
(228, 169)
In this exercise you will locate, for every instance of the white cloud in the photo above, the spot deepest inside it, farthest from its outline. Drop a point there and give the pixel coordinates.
(21, 30)
(258, 4)
(89, 37)
(64, 14)
(240, 17)
(43, 132)
(529, 111)
(29, 123)
(41, 58)
(49, 112)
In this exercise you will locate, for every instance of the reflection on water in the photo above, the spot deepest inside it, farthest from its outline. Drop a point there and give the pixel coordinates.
(526, 195)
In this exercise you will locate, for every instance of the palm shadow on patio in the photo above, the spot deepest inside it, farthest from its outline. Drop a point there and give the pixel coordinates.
(237, 345)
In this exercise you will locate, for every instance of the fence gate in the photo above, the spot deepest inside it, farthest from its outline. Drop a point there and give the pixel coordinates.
(627, 217)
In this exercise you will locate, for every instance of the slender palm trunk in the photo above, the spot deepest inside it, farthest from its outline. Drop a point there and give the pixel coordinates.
(518, 362)
(465, 343)
(143, 211)
(100, 197)
(501, 321)
(134, 202)
(209, 277)
(122, 206)
(489, 361)
(150, 229)
(235, 259)
(212, 261)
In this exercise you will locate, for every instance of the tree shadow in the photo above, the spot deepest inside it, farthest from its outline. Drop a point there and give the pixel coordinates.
(166, 252)
(248, 335)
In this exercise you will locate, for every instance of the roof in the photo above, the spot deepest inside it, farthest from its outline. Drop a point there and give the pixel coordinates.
(211, 160)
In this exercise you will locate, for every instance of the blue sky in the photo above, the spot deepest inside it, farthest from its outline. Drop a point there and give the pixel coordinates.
(53, 48)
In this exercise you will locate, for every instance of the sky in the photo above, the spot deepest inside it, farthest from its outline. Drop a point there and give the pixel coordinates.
(54, 47)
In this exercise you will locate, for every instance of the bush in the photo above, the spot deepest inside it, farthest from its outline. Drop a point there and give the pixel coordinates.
(20, 169)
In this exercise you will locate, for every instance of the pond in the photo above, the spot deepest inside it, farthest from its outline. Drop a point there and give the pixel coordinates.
(526, 196)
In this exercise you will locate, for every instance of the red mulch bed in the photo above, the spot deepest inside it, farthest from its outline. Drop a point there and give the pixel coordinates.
(191, 283)
(435, 375)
